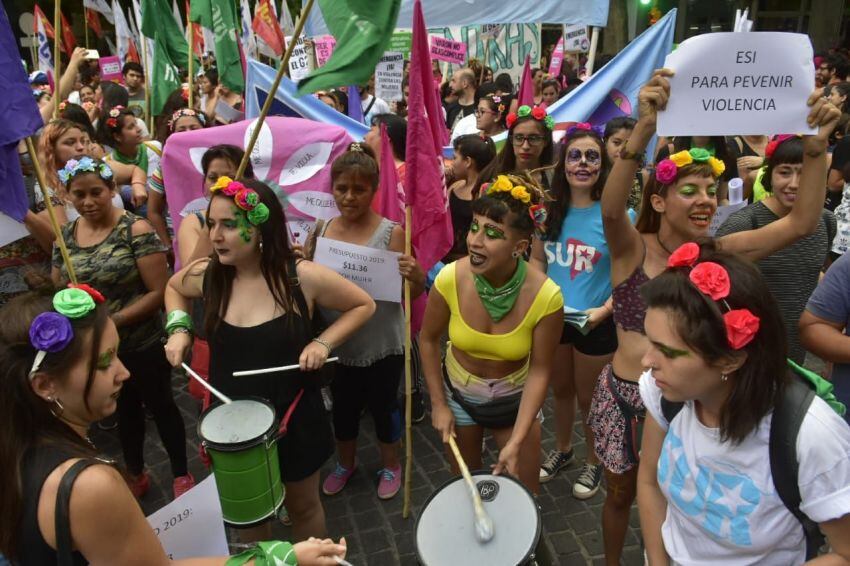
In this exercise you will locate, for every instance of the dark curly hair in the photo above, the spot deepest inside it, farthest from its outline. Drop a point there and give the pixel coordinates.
(496, 205)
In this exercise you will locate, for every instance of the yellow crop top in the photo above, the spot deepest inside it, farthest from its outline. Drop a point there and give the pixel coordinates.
(511, 346)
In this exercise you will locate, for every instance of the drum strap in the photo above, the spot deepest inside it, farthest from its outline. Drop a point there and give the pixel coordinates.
(284, 422)
(62, 512)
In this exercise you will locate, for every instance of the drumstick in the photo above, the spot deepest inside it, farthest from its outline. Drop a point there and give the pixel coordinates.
(483, 523)
(342, 561)
(221, 396)
(272, 370)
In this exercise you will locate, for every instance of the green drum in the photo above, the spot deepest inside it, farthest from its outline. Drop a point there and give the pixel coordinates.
(240, 440)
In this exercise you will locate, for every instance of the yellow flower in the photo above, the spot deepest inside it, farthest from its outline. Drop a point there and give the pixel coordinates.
(717, 166)
(521, 194)
(221, 183)
(502, 183)
(682, 158)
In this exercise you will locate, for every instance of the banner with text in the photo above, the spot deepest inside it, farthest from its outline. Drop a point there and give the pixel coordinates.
(401, 42)
(373, 270)
(576, 40)
(299, 62)
(324, 46)
(731, 83)
(447, 50)
(389, 75)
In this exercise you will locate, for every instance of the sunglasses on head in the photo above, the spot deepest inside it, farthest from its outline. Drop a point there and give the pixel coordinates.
(591, 156)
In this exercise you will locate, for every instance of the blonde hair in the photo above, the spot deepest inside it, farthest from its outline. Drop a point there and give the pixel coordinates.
(51, 133)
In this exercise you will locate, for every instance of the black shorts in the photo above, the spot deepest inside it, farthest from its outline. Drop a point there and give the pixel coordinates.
(600, 341)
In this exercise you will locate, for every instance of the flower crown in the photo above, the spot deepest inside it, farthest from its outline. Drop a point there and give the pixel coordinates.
(114, 113)
(51, 331)
(668, 169)
(712, 280)
(585, 127)
(85, 164)
(182, 113)
(497, 100)
(504, 184)
(538, 113)
(245, 198)
(62, 106)
(776, 142)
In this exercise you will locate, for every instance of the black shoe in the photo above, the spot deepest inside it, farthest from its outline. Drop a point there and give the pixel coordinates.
(588, 481)
(554, 463)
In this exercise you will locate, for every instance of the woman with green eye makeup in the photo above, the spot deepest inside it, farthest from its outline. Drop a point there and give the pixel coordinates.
(503, 321)
(677, 206)
(792, 273)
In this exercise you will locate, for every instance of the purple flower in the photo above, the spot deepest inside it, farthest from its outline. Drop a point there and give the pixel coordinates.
(51, 332)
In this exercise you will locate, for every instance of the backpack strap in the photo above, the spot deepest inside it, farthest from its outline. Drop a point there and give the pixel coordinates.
(670, 409)
(788, 416)
(62, 516)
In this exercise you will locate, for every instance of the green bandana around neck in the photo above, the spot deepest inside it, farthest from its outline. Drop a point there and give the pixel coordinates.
(499, 302)
(140, 159)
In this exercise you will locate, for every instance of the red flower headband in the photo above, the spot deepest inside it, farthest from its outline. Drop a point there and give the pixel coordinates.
(114, 113)
(712, 279)
(775, 142)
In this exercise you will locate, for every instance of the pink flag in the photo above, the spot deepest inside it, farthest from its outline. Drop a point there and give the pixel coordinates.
(390, 191)
(557, 59)
(425, 183)
(526, 86)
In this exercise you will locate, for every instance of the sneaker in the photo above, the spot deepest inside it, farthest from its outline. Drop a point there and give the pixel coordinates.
(417, 407)
(183, 484)
(337, 480)
(283, 516)
(390, 482)
(588, 481)
(139, 485)
(554, 463)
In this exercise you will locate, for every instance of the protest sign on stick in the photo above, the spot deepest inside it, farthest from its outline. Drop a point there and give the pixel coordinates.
(447, 50)
(739, 84)
(389, 75)
(576, 39)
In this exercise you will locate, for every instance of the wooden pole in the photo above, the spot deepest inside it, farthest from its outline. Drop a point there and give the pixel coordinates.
(484, 61)
(591, 57)
(148, 79)
(86, 28)
(189, 38)
(42, 183)
(284, 64)
(57, 62)
(408, 377)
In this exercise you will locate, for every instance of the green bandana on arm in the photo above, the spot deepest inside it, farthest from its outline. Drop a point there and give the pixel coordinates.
(266, 553)
(499, 302)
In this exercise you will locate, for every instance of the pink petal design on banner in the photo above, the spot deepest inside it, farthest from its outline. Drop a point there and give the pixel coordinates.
(305, 162)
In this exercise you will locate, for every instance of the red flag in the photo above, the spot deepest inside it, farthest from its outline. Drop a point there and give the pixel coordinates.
(425, 183)
(197, 36)
(48, 28)
(69, 42)
(132, 52)
(93, 21)
(267, 27)
(526, 86)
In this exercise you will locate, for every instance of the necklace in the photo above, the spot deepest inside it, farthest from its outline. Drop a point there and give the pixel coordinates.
(660, 243)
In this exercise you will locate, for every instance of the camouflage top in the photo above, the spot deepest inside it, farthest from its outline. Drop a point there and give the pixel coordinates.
(110, 267)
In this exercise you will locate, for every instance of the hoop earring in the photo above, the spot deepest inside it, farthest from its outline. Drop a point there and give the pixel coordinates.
(58, 405)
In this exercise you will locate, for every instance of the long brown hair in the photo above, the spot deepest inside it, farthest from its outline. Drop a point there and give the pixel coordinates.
(27, 420)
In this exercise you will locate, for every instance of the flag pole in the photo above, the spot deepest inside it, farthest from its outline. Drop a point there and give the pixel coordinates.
(189, 38)
(42, 183)
(284, 65)
(408, 377)
(591, 57)
(484, 61)
(86, 28)
(57, 62)
(148, 79)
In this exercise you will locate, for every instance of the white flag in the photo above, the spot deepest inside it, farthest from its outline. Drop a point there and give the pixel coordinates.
(146, 43)
(177, 16)
(123, 35)
(286, 20)
(209, 40)
(45, 59)
(102, 7)
(249, 42)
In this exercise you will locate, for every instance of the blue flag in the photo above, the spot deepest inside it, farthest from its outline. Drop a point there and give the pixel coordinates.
(286, 102)
(20, 118)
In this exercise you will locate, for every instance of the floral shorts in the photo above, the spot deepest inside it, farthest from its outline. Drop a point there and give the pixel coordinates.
(616, 419)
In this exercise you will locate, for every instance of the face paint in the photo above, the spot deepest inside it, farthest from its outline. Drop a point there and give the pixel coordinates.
(671, 353)
(105, 359)
(246, 230)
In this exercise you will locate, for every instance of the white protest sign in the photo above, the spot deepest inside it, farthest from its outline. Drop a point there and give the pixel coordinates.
(389, 75)
(192, 524)
(733, 83)
(576, 39)
(299, 62)
(375, 271)
(11, 230)
(721, 214)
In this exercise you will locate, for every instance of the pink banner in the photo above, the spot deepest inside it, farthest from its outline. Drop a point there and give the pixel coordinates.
(110, 69)
(443, 49)
(324, 46)
(557, 59)
(291, 154)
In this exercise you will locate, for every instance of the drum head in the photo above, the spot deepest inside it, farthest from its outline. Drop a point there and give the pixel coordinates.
(445, 530)
(238, 422)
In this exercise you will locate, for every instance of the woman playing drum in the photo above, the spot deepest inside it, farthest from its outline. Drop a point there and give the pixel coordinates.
(504, 321)
(258, 308)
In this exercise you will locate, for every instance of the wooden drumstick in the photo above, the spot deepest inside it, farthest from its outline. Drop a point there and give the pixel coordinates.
(483, 523)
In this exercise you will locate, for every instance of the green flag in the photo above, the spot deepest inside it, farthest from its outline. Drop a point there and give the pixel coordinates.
(166, 80)
(362, 29)
(220, 17)
(157, 18)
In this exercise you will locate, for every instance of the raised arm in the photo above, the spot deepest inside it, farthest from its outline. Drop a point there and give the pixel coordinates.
(805, 215)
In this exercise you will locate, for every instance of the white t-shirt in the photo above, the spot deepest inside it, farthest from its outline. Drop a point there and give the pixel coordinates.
(466, 125)
(722, 506)
(380, 107)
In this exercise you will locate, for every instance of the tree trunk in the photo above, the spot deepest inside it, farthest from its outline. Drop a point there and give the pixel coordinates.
(615, 35)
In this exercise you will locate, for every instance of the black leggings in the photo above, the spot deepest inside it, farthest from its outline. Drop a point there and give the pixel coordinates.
(149, 386)
(374, 386)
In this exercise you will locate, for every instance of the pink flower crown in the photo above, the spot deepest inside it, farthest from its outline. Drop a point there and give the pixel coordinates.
(245, 198)
(668, 169)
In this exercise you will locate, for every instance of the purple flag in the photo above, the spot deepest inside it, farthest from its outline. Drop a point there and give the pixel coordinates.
(20, 118)
(526, 86)
(355, 110)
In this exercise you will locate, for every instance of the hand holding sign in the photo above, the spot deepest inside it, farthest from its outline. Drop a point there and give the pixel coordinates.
(653, 96)
(824, 116)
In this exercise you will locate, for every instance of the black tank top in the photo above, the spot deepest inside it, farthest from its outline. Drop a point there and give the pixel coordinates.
(461, 211)
(37, 464)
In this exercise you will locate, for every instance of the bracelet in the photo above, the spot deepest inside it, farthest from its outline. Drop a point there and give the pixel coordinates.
(633, 155)
(179, 330)
(323, 343)
(178, 319)
(138, 183)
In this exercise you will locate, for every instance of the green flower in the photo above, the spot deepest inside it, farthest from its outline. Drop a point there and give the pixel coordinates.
(699, 154)
(259, 215)
(523, 111)
(550, 122)
(73, 303)
(252, 199)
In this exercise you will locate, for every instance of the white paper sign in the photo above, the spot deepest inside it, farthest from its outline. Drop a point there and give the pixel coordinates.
(389, 75)
(576, 39)
(192, 524)
(375, 271)
(11, 230)
(226, 113)
(299, 62)
(721, 214)
(738, 84)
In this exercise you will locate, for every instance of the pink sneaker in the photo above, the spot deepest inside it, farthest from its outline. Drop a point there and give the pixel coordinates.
(389, 483)
(183, 484)
(139, 485)
(337, 480)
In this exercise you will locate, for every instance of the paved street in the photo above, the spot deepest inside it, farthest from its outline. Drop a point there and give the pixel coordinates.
(375, 530)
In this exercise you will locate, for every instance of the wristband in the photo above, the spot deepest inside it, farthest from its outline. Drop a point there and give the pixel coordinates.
(626, 154)
(323, 343)
(178, 319)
